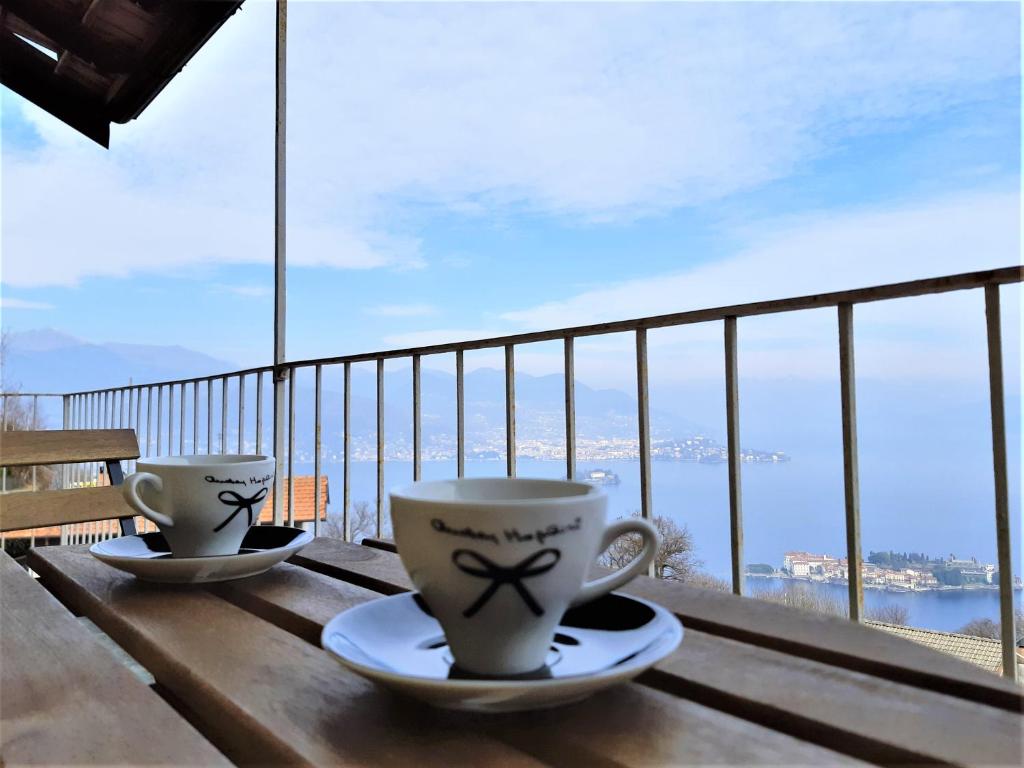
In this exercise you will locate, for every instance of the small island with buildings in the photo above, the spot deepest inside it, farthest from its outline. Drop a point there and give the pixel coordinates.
(889, 571)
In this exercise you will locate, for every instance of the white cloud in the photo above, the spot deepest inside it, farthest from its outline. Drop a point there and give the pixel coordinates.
(815, 254)
(402, 310)
(428, 338)
(9, 303)
(937, 336)
(591, 112)
(248, 291)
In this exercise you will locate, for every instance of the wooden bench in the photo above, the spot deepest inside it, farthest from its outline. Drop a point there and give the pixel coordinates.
(21, 510)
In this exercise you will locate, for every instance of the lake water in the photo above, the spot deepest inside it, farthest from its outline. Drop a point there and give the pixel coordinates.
(939, 508)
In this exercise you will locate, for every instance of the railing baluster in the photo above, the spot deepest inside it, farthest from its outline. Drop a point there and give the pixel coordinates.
(346, 531)
(510, 410)
(65, 473)
(3, 428)
(181, 419)
(195, 417)
(170, 419)
(209, 417)
(851, 478)
(291, 446)
(241, 414)
(108, 411)
(259, 412)
(416, 424)
(570, 408)
(35, 425)
(643, 419)
(149, 422)
(317, 445)
(224, 415)
(993, 323)
(380, 447)
(732, 424)
(159, 416)
(280, 380)
(460, 412)
(135, 405)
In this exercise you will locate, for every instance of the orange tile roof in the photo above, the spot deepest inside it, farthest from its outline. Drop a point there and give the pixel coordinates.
(305, 501)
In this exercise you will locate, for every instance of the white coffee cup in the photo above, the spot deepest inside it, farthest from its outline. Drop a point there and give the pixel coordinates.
(498, 561)
(203, 505)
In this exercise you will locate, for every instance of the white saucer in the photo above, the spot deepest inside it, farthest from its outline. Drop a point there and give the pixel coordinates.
(396, 642)
(148, 557)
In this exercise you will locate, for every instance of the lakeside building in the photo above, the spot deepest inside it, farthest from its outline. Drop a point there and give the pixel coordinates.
(825, 568)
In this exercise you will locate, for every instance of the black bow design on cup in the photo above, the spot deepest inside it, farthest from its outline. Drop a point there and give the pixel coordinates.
(239, 502)
(499, 575)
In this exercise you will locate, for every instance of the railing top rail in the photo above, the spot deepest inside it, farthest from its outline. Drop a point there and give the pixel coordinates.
(909, 289)
(32, 394)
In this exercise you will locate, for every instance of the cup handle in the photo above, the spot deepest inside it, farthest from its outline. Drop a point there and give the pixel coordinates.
(594, 589)
(130, 491)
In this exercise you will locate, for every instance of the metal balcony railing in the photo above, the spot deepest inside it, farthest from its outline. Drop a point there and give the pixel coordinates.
(139, 406)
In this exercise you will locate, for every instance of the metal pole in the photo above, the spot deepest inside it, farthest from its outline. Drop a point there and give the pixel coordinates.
(209, 417)
(380, 448)
(995, 382)
(195, 417)
(291, 447)
(346, 436)
(259, 412)
(460, 412)
(643, 419)
(732, 423)
(317, 446)
(159, 416)
(181, 417)
(241, 414)
(280, 259)
(149, 421)
(35, 426)
(570, 409)
(851, 480)
(416, 424)
(224, 415)
(510, 410)
(170, 419)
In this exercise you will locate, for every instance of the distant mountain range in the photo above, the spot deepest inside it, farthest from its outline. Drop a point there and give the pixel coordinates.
(50, 361)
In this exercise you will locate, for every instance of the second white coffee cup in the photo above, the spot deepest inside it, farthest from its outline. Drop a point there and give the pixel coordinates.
(499, 560)
(203, 505)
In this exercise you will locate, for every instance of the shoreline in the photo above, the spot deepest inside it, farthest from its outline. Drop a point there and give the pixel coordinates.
(882, 587)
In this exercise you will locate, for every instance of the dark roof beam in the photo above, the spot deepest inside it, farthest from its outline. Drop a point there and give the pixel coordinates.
(25, 70)
(70, 35)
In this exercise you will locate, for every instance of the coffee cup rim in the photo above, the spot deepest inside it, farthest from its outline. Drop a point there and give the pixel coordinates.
(414, 492)
(204, 460)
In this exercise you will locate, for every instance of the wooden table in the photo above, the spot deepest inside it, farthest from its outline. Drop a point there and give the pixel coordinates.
(752, 683)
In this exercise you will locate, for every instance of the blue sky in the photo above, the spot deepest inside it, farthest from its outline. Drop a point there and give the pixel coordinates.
(460, 170)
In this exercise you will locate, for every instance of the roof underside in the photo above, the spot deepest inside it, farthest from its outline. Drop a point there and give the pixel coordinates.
(103, 60)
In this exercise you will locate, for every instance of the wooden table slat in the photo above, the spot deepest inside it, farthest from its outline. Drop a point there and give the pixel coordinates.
(827, 639)
(266, 693)
(260, 693)
(303, 601)
(64, 699)
(884, 721)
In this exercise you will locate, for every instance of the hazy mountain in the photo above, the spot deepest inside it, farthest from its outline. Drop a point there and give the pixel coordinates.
(52, 361)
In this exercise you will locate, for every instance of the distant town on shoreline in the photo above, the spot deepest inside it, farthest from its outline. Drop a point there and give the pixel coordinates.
(889, 571)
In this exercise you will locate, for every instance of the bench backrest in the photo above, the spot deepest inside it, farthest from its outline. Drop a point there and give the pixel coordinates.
(34, 509)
